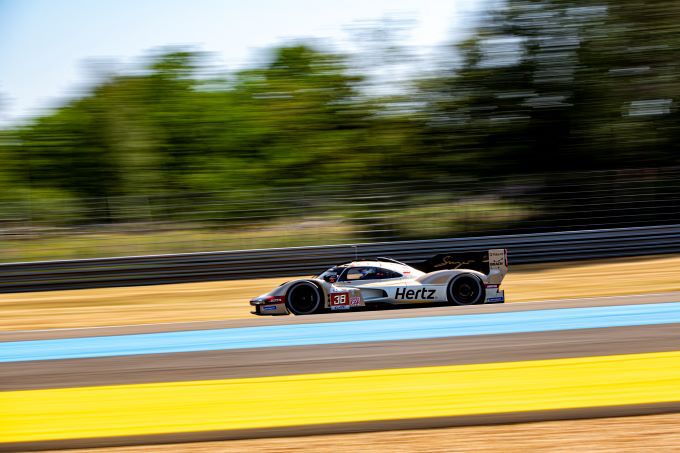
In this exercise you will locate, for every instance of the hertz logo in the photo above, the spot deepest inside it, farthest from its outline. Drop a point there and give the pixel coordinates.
(415, 294)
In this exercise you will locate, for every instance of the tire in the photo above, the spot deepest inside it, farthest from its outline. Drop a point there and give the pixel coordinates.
(304, 298)
(465, 289)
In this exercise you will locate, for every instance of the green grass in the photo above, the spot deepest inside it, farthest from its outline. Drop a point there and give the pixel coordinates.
(183, 240)
(452, 218)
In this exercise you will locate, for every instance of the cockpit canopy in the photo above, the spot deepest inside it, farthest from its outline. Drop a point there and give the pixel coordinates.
(357, 272)
(332, 274)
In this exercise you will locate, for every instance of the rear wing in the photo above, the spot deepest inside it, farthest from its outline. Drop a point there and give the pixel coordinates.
(493, 263)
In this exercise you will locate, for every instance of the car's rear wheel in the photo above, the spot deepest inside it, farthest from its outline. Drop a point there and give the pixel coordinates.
(304, 298)
(465, 289)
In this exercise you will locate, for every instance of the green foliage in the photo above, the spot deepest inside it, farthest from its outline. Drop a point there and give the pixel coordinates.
(550, 85)
(559, 85)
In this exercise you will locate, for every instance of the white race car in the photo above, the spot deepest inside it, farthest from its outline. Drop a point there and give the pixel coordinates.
(464, 278)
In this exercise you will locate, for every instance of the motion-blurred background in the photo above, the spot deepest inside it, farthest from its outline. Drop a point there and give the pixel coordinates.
(396, 121)
(547, 127)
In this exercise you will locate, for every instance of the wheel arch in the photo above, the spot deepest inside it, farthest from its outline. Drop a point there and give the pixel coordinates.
(462, 273)
(322, 288)
(319, 285)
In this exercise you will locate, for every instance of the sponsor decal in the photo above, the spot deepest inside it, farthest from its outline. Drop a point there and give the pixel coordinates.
(355, 300)
(491, 286)
(274, 299)
(450, 261)
(415, 294)
(269, 307)
(496, 299)
(497, 259)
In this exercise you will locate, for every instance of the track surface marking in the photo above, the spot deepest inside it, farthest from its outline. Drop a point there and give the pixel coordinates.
(358, 396)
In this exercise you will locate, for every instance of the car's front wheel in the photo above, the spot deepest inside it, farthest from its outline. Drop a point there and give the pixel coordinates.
(304, 298)
(465, 289)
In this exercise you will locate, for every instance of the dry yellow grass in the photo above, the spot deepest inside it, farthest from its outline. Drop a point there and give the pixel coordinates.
(593, 278)
(623, 434)
(229, 299)
(131, 305)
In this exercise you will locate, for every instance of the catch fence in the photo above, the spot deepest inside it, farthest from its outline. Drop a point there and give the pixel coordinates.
(246, 219)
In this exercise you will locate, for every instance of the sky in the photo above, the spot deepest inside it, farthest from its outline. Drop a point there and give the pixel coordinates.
(45, 45)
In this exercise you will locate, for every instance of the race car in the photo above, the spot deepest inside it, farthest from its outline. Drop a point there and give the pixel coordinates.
(464, 278)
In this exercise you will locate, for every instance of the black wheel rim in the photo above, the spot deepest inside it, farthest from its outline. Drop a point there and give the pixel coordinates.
(304, 299)
(466, 290)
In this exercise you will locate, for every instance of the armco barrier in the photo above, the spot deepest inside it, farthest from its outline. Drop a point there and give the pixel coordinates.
(230, 265)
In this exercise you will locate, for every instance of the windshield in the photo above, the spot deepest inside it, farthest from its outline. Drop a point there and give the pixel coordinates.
(369, 273)
(331, 273)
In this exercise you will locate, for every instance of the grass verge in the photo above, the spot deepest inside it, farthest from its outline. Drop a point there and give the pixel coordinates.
(616, 434)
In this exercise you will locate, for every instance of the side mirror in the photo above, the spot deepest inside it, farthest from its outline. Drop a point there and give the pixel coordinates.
(331, 278)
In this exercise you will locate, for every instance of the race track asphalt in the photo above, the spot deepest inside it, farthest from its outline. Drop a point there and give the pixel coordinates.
(330, 358)
(540, 331)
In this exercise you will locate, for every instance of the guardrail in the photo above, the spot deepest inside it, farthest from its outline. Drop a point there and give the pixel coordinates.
(282, 262)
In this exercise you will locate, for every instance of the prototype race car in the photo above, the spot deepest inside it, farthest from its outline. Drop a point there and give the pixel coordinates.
(464, 278)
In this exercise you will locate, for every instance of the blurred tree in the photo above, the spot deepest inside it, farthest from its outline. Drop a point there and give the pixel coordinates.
(297, 120)
(172, 129)
(559, 85)
(541, 85)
